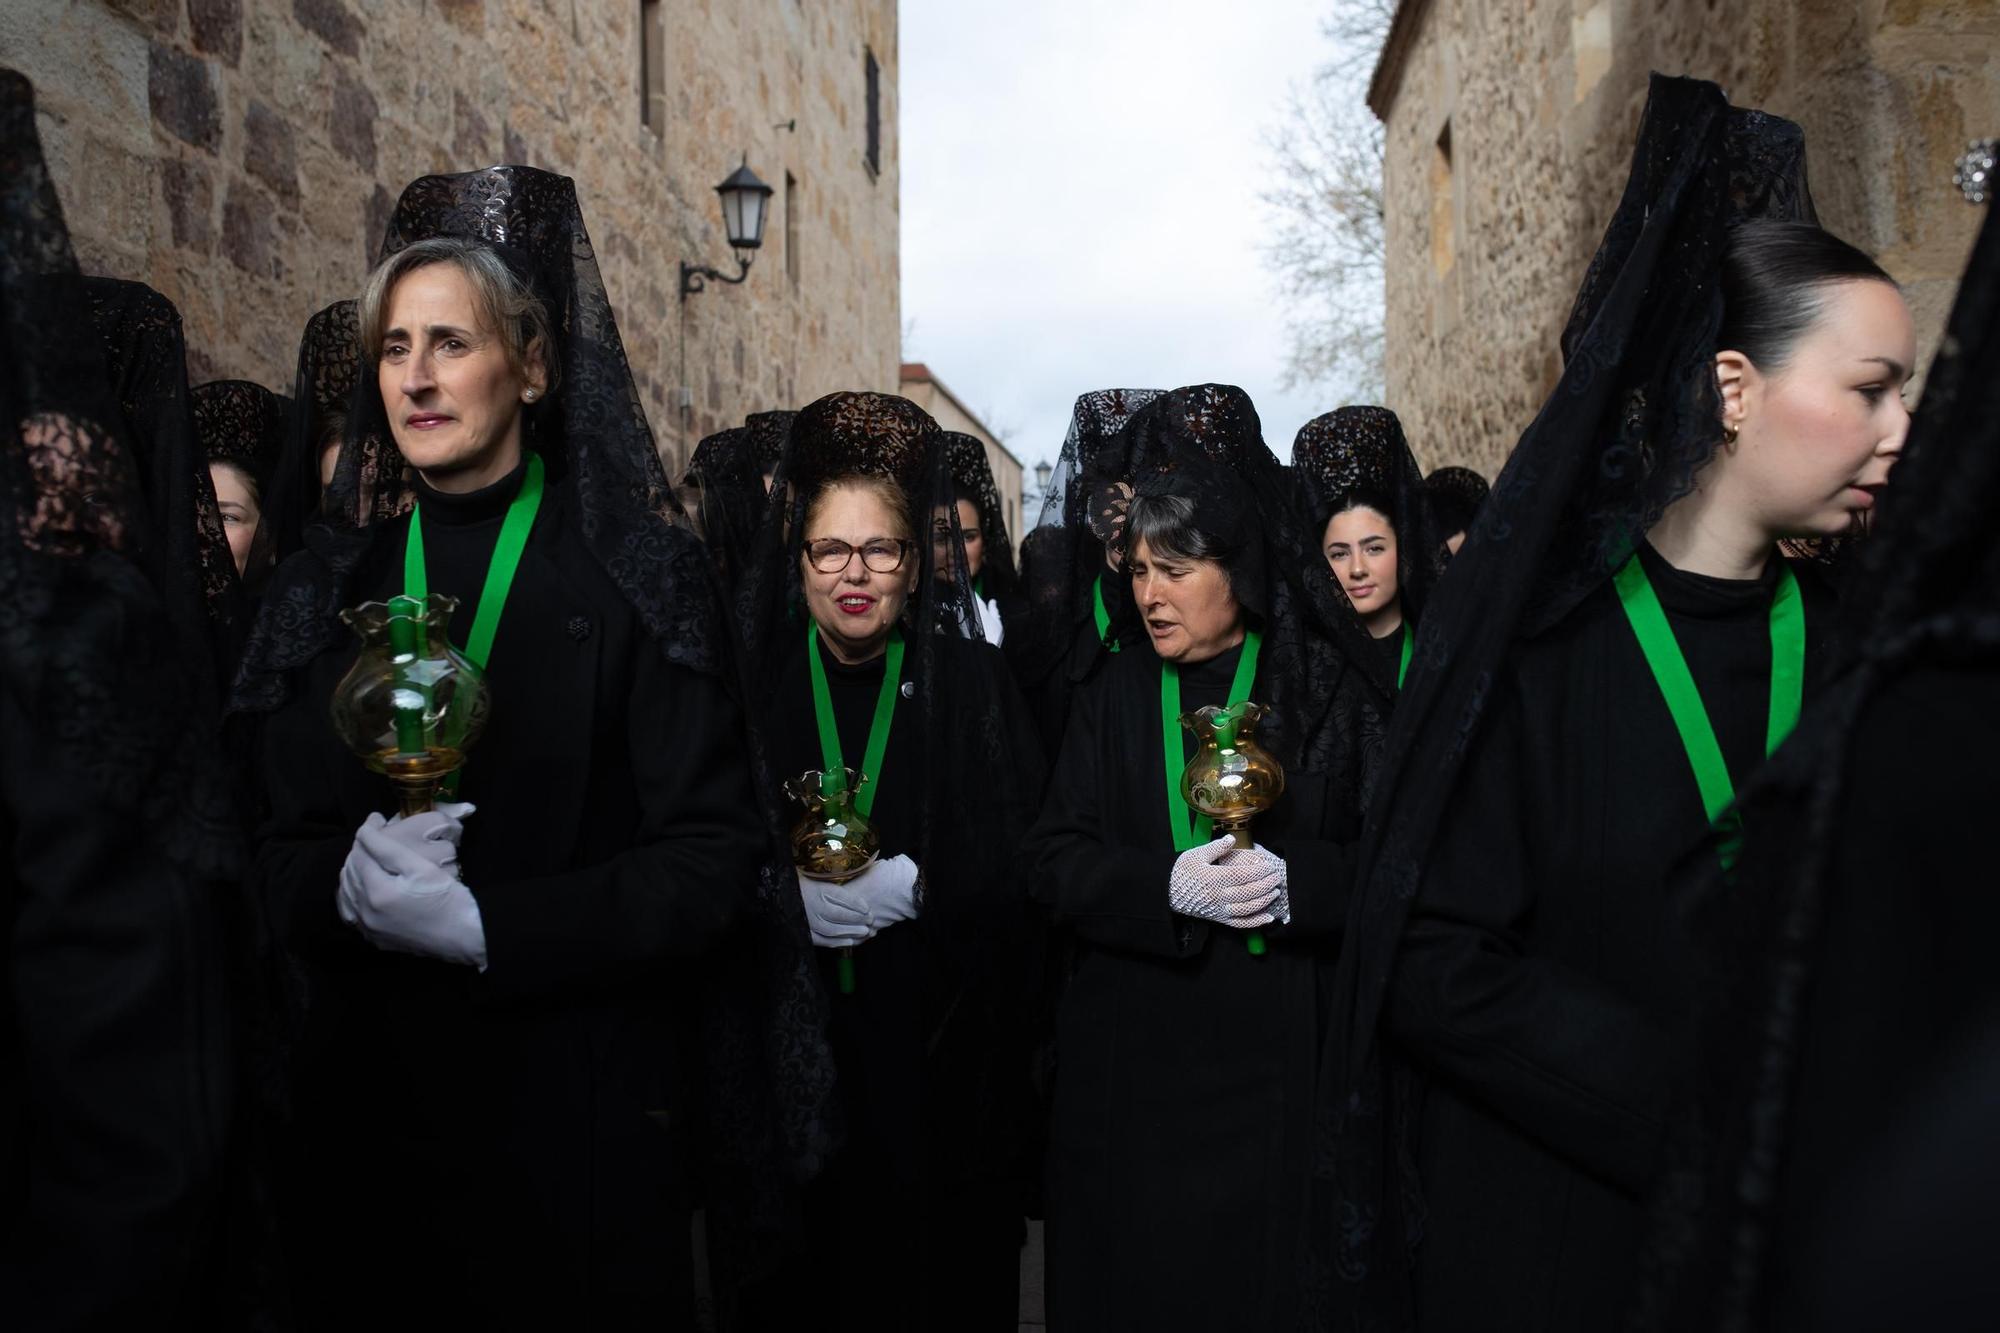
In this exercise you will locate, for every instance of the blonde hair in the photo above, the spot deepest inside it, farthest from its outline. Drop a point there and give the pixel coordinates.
(886, 489)
(507, 305)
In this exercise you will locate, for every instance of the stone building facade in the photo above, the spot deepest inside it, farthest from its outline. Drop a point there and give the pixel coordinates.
(1509, 128)
(243, 156)
(927, 391)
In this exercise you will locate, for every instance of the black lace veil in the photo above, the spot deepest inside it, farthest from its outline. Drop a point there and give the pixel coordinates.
(1633, 418)
(145, 355)
(1360, 453)
(729, 468)
(1061, 558)
(320, 405)
(1927, 592)
(591, 432)
(244, 424)
(971, 472)
(94, 605)
(1456, 495)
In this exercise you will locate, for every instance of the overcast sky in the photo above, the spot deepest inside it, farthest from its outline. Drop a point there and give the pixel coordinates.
(1081, 204)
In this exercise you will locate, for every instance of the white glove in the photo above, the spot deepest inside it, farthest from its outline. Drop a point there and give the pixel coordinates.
(843, 915)
(400, 888)
(834, 920)
(989, 619)
(885, 892)
(1219, 883)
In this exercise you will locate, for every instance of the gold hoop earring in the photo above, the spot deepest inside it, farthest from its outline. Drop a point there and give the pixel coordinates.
(1729, 434)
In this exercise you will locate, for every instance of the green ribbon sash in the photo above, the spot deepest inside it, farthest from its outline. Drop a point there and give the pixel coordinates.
(878, 728)
(500, 570)
(832, 782)
(1683, 698)
(1409, 649)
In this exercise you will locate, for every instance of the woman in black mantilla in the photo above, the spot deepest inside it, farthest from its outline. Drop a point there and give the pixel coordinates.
(1366, 506)
(315, 423)
(916, 1222)
(145, 355)
(1188, 1028)
(730, 471)
(494, 1058)
(1456, 496)
(241, 427)
(1734, 382)
(1824, 1178)
(981, 526)
(1072, 592)
(118, 841)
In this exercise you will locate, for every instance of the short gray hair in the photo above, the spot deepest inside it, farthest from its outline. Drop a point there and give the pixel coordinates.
(507, 304)
(1166, 524)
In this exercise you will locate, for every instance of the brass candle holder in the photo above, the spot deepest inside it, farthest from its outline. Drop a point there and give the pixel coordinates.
(1231, 778)
(832, 842)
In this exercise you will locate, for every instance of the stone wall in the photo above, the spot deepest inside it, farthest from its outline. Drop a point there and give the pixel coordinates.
(243, 156)
(1510, 127)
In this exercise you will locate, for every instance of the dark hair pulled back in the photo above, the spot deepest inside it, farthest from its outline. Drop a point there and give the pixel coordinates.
(1774, 279)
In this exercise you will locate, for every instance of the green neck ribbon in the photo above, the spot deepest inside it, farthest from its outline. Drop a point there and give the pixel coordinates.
(1191, 828)
(1102, 615)
(500, 570)
(1683, 698)
(1409, 650)
(878, 729)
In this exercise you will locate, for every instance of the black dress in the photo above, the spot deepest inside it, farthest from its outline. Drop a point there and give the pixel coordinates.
(1184, 1065)
(1542, 983)
(916, 1223)
(519, 1134)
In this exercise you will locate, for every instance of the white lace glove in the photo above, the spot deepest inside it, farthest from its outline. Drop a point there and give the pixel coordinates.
(989, 619)
(400, 887)
(1218, 883)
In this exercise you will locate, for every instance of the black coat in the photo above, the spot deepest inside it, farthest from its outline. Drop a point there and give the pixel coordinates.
(931, 1048)
(1541, 982)
(1184, 1066)
(114, 1069)
(1903, 998)
(524, 1124)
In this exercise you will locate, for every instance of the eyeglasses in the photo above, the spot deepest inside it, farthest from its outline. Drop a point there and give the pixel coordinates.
(830, 555)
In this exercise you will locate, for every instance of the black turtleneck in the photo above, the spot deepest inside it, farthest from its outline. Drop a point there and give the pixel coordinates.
(1542, 980)
(460, 533)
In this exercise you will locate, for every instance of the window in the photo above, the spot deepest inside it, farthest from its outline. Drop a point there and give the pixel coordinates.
(653, 65)
(791, 229)
(1444, 243)
(874, 73)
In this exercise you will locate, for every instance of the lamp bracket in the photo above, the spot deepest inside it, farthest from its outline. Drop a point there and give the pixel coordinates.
(695, 277)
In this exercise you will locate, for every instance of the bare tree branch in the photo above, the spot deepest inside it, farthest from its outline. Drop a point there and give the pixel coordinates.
(1327, 249)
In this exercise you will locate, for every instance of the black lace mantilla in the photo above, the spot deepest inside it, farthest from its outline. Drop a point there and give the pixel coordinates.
(591, 431)
(91, 649)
